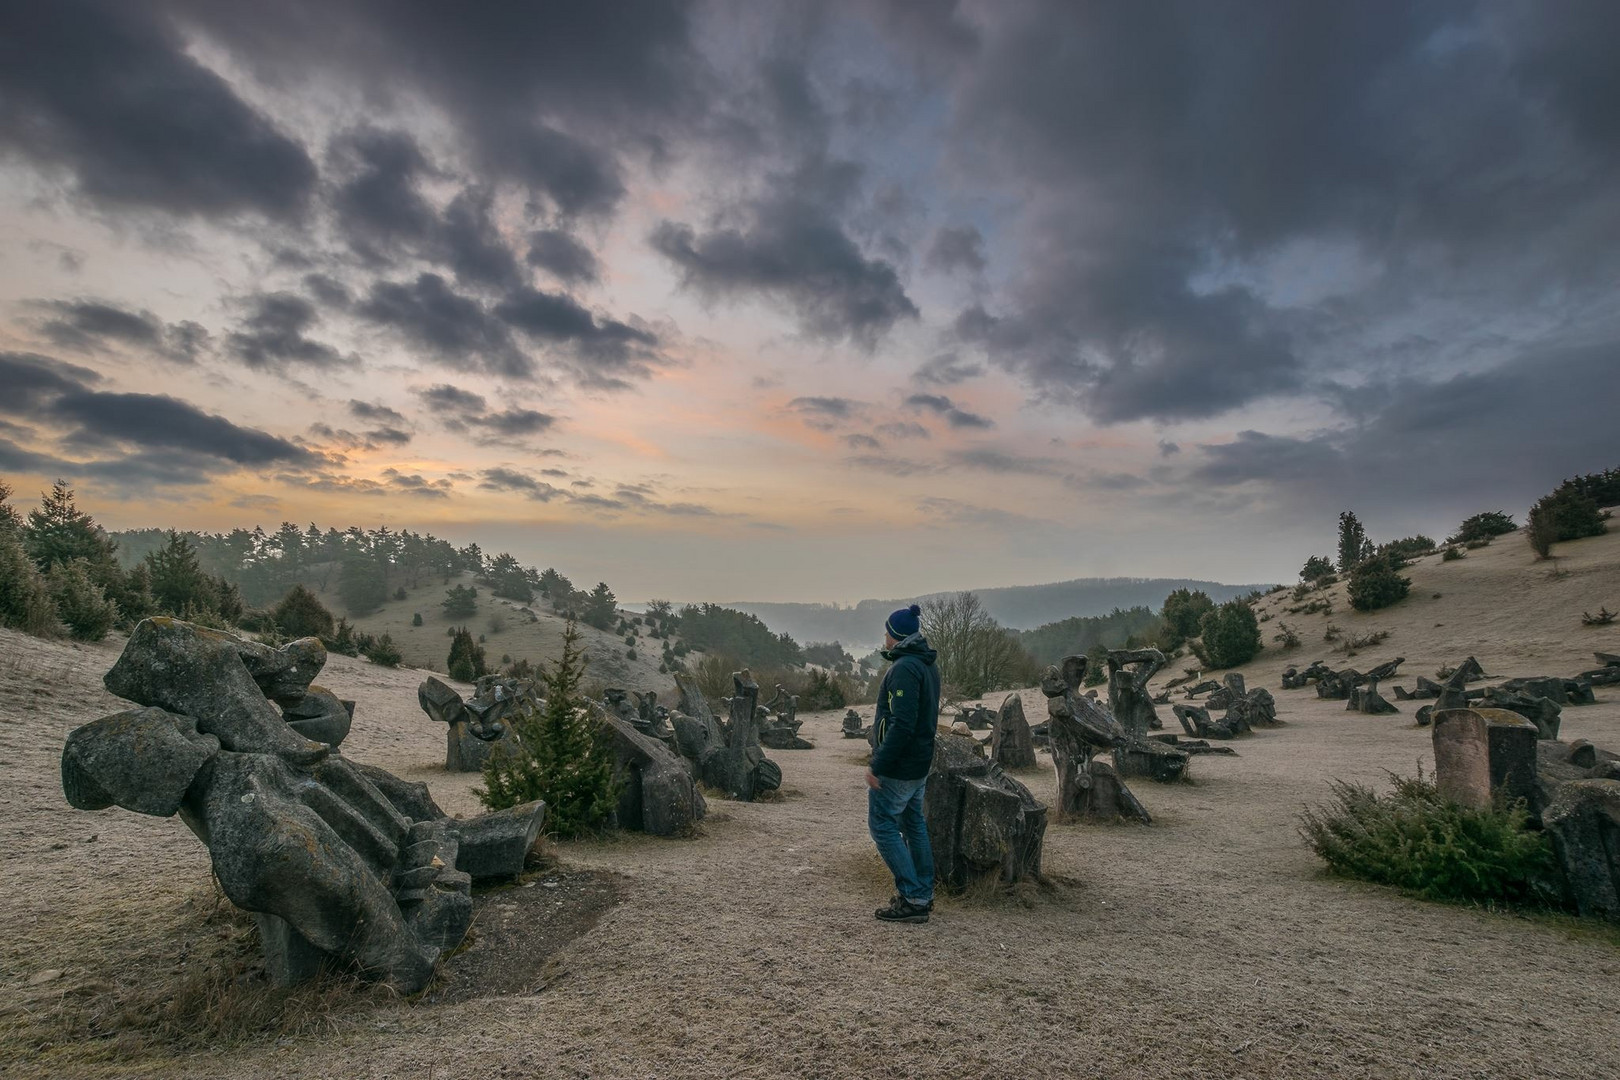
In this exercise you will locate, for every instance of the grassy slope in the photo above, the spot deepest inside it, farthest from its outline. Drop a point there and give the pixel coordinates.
(428, 645)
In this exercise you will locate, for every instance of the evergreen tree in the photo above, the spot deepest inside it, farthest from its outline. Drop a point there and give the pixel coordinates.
(179, 585)
(1230, 635)
(80, 603)
(601, 607)
(363, 586)
(566, 756)
(1316, 568)
(383, 652)
(59, 532)
(466, 661)
(25, 598)
(302, 614)
(1184, 611)
(460, 602)
(1354, 547)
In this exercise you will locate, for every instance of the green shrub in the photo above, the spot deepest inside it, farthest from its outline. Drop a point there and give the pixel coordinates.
(1452, 554)
(1565, 514)
(1096, 670)
(342, 639)
(566, 756)
(460, 602)
(1230, 635)
(383, 652)
(1183, 612)
(1316, 568)
(1481, 527)
(1375, 584)
(301, 614)
(416, 618)
(25, 598)
(83, 608)
(1414, 839)
(1474, 545)
(1410, 547)
(466, 661)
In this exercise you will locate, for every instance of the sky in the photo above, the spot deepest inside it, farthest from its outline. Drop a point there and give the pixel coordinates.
(812, 301)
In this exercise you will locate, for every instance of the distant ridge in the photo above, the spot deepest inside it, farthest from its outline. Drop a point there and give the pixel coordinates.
(1021, 607)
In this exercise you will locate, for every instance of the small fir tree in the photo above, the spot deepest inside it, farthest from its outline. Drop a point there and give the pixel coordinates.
(566, 757)
(301, 614)
(83, 608)
(466, 661)
(1354, 546)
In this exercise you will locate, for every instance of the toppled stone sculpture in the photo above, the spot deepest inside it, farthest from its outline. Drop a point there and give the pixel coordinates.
(978, 717)
(1231, 689)
(981, 822)
(342, 864)
(1011, 744)
(1198, 724)
(475, 727)
(1540, 711)
(1367, 699)
(1205, 687)
(728, 759)
(1128, 699)
(780, 730)
(656, 791)
(1087, 786)
(854, 727)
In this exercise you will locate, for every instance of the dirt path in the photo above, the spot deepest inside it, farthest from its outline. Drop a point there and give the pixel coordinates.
(1207, 945)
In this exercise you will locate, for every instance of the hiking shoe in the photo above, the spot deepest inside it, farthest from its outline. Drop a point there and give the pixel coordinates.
(902, 911)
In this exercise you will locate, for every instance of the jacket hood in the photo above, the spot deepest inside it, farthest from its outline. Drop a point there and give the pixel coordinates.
(914, 645)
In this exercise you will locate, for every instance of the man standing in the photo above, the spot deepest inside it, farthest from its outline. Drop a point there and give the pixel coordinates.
(903, 752)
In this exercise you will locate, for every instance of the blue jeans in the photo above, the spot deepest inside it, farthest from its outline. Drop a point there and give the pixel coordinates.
(894, 816)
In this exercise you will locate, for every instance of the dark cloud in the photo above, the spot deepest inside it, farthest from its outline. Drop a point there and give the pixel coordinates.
(995, 461)
(474, 247)
(91, 325)
(328, 290)
(454, 329)
(511, 480)
(1167, 448)
(1446, 445)
(862, 442)
(108, 92)
(377, 412)
(273, 335)
(826, 413)
(380, 206)
(418, 485)
(547, 96)
(956, 248)
(942, 406)
(31, 380)
(156, 421)
(563, 257)
(796, 251)
(606, 352)
(1183, 165)
(445, 396)
(903, 429)
(947, 369)
(514, 423)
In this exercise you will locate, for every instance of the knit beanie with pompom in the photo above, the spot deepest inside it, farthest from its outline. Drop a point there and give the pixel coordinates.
(903, 623)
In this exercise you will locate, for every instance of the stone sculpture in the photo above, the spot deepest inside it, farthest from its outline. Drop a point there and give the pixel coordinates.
(656, 791)
(475, 727)
(341, 864)
(981, 821)
(853, 728)
(1087, 787)
(1128, 699)
(1011, 744)
(1366, 699)
(728, 759)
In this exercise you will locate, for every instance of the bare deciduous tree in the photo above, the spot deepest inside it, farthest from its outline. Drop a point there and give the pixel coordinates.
(976, 653)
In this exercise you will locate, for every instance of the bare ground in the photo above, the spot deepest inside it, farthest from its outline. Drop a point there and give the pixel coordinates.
(1210, 944)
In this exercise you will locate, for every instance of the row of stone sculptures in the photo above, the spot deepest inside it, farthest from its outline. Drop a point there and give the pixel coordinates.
(1570, 790)
(1245, 710)
(341, 863)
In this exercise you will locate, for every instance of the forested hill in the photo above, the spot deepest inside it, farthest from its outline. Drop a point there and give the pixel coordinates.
(1021, 607)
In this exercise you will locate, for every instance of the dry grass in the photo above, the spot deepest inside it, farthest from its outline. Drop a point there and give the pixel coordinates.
(198, 983)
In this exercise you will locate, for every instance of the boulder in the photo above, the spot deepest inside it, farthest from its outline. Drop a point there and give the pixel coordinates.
(981, 822)
(1584, 824)
(656, 791)
(1540, 711)
(494, 846)
(320, 717)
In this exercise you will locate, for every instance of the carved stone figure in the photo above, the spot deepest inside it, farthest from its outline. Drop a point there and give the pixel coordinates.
(342, 864)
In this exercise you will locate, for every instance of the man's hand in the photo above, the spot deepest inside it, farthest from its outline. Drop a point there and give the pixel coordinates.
(872, 780)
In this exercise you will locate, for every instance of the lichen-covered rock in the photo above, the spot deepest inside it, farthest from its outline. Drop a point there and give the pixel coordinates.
(1584, 823)
(319, 716)
(341, 864)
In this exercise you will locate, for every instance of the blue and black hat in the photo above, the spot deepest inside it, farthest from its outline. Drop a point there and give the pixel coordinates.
(903, 623)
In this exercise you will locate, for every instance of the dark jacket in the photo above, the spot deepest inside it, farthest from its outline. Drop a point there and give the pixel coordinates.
(907, 712)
